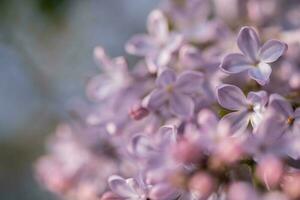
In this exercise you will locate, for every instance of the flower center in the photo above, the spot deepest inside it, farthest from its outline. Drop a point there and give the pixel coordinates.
(256, 63)
(250, 108)
(170, 88)
(290, 121)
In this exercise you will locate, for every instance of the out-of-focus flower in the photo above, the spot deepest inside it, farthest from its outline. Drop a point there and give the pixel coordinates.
(113, 77)
(242, 191)
(192, 58)
(256, 58)
(158, 45)
(269, 171)
(190, 18)
(217, 138)
(176, 92)
(246, 109)
(128, 188)
(286, 119)
(291, 184)
(168, 132)
(153, 146)
(202, 185)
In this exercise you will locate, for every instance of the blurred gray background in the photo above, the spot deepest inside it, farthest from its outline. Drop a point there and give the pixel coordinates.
(45, 58)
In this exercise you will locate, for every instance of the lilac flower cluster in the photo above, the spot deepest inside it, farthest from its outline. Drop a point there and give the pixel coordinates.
(211, 111)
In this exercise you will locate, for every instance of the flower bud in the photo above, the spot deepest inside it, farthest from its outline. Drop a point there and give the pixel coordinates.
(291, 185)
(202, 184)
(269, 171)
(229, 151)
(186, 151)
(242, 191)
(138, 112)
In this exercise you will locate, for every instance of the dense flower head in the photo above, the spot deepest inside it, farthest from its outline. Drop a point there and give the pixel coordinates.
(192, 120)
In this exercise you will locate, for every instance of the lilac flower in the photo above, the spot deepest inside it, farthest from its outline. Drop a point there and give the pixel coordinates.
(217, 138)
(255, 58)
(128, 188)
(176, 92)
(242, 191)
(269, 139)
(114, 76)
(158, 45)
(137, 189)
(192, 58)
(163, 129)
(285, 119)
(245, 109)
(150, 146)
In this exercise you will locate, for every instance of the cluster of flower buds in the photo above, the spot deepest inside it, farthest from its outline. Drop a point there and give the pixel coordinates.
(211, 110)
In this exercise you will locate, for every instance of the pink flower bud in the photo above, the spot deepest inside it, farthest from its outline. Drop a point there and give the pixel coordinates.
(138, 112)
(269, 171)
(291, 185)
(50, 174)
(242, 191)
(229, 151)
(202, 184)
(186, 151)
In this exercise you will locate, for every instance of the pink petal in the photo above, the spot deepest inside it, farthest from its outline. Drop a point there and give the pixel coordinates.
(207, 119)
(231, 97)
(189, 82)
(272, 50)
(248, 42)
(181, 105)
(235, 63)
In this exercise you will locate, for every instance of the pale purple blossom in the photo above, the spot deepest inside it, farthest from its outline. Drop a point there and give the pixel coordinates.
(158, 45)
(285, 118)
(128, 188)
(176, 92)
(113, 77)
(246, 109)
(174, 126)
(255, 58)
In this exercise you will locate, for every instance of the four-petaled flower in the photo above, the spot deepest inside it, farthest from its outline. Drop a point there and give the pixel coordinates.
(284, 118)
(246, 109)
(255, 57)
(114, 76)
(158, 45)
(176, 92)
(128, 188)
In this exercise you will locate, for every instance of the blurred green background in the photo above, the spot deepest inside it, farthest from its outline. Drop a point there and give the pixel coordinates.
(45, 58)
